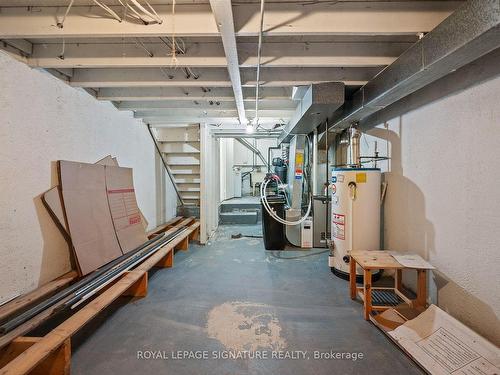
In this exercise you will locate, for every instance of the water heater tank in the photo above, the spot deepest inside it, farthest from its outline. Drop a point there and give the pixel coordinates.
(355, 217)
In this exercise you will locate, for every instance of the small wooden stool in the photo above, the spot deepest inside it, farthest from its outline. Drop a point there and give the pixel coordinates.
(374, 260)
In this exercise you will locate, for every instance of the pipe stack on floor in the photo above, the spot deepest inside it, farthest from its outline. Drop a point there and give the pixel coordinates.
(81, 291)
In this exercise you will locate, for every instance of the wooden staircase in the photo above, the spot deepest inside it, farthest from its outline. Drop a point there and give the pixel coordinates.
(181, 150)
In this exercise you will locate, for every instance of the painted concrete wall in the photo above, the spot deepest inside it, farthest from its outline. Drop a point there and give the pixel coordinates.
(235, 154)
(443, 197)
(43, 120)
(227, 175)
(244, 157)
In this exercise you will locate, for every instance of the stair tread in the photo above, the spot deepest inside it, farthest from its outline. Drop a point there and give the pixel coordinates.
(239, 213)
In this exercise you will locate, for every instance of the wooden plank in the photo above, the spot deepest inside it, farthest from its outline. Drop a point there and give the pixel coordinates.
(195, 235)
(57, 363)
(161, 228)
(30, 358)
(399, 279)
(27, 299)
(375, 260)
(167, 261)
(352, 277)
(183, 245)
(139, 288)
(421, 300)
(30, 324)
(367, 274)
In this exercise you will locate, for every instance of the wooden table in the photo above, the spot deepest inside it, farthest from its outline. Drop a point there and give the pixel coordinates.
(375, 260)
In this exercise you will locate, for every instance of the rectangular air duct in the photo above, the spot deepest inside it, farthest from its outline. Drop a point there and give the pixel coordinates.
(317, 102)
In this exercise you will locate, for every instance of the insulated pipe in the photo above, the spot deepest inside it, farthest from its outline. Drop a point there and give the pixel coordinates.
(252, 148)
(169, 172)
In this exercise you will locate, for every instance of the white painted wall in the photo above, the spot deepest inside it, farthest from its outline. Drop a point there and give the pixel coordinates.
(210, 183)
(443, 198)
(43, 120)
(233, 154)
(244, 157)
(227, 174)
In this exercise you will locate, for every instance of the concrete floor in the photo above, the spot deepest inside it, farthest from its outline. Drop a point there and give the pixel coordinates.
(232, 295)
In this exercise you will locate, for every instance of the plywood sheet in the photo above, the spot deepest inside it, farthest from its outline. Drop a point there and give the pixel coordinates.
(52, 201)
(442, 345)
(125, 213)
(88, 215)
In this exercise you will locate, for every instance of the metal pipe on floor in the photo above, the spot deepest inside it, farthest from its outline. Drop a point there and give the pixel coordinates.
(94, 279)
(80, 297)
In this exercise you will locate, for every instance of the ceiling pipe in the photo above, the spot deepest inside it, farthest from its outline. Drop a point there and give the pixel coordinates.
(252, 148)
(259, 54)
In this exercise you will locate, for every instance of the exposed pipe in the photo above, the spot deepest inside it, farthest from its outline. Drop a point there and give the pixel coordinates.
(259, 53)
(353, 150)
(169, 172)
(88, 280)
(252, 148)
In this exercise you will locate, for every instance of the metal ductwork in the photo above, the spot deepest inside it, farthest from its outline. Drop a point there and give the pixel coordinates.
(470, 32)
(317, 102)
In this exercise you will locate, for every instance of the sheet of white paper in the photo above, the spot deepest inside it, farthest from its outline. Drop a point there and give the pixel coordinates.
(443, 345)
(412, 261)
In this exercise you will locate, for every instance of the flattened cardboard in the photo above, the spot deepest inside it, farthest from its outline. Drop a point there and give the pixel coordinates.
(87, 212)
(52, 201)
(108, 160)
(112, 161)
(442, 345)
(125, 213)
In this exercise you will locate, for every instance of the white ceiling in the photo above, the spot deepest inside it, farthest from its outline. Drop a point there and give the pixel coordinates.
(130, 63)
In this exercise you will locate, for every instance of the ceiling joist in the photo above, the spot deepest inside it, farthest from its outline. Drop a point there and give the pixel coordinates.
(196, 20)
(223, 13)
(189, 93)
(217, 77)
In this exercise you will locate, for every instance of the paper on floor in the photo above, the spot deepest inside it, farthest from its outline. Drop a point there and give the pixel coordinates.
(443, 345)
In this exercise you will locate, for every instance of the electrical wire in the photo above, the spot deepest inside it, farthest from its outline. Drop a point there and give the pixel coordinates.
(139, 12)
(108, 9)
(61, 24)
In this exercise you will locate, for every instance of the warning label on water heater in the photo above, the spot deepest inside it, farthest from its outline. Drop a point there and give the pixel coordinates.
(338, 226)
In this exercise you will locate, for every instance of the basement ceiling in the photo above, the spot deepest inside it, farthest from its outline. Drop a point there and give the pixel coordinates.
(130, 63)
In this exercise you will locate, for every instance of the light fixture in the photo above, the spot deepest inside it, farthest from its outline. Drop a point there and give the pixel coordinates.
(249, 128)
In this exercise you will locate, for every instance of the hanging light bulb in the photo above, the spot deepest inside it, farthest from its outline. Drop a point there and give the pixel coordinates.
(249, 128)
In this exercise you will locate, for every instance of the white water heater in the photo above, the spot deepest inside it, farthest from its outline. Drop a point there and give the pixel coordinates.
(355, 217)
